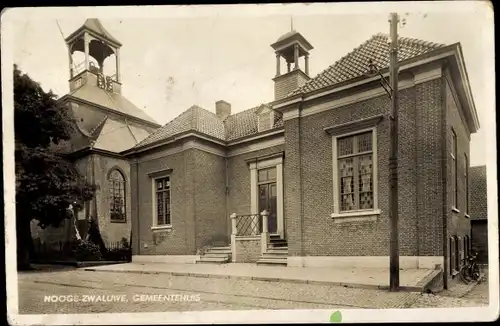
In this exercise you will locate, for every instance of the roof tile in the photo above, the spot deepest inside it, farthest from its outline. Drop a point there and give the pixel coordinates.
(355, 63)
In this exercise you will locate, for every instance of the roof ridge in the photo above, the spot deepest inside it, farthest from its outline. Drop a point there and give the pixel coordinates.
(336, 63)
(97, 129)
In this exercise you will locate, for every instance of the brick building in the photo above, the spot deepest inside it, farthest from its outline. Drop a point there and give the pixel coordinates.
(314, 158)
(479, 212)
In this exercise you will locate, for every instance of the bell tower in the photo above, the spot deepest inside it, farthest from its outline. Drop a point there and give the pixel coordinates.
(95, 47)
(291, 47)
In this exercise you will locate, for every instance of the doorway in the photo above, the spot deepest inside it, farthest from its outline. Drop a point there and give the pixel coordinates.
(268, 194)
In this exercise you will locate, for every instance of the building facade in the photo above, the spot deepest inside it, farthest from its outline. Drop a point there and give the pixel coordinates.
(301, 180)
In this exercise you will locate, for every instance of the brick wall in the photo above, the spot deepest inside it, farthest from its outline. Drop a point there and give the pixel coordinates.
(180, 239)
(210, 199)
(288, 82)
(198, 203)
(479, 212)
(418, 166)
(429, 149)
(103, 165)
(321, 236)
(457, 222)
(291, 187)
(248, 250)
(478, 192)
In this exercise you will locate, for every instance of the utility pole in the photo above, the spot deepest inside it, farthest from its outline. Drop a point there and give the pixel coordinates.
(393, 156)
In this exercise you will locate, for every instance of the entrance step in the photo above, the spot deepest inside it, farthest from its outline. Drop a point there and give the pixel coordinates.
(216, 255)
(278, 243)
(213, 260)
(274, 256)
(272, 261)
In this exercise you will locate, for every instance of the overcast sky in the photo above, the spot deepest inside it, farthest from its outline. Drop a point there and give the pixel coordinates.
(172, 61)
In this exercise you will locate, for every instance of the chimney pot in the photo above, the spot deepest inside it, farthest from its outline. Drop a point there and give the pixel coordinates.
(222, 109)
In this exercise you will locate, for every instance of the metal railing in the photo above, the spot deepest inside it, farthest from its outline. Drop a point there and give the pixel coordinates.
(246, 225)
(249, 224)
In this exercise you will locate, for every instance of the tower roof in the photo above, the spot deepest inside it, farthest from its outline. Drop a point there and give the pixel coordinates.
(94, 26)
(291, 37)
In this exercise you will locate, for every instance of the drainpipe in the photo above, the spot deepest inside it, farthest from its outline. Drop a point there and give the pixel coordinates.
(301, 193)
(226, 191)
(137, 210)
(444, 174)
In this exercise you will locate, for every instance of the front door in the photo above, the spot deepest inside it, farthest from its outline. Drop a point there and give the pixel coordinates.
(268, 197)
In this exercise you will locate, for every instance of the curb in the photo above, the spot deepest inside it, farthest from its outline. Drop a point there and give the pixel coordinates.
(265, 279)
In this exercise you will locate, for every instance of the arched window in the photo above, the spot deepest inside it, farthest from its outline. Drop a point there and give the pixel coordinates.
(116, 183)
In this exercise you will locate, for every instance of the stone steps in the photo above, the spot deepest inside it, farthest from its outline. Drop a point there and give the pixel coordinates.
(213, 260)
(216, 255)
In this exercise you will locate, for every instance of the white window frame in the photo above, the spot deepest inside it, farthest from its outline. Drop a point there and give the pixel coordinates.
(336, 189)
(274, 161)
(154, 224)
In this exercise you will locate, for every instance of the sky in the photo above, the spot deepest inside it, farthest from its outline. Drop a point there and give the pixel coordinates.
(172, 59)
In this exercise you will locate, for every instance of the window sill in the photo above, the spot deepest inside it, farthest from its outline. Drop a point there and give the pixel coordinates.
(454, 209)
(356, 216)
(167, 228)
(117, 221)
(467, 216)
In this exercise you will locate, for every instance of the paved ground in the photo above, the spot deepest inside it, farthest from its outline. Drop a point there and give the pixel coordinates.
(373, 277)
(199, 293)
(213, 294)
(459, 295)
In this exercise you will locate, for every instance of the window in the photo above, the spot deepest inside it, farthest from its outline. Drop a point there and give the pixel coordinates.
(162, 192)
(116, 183)
(355, 172)
(466, 178)
(457, 254)
(454, 168)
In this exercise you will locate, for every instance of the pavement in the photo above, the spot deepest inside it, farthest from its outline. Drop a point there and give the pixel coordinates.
(376, 278)
(211, 294)
(146, 292)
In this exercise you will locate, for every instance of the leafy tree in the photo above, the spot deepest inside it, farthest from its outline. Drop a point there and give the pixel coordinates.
(47, 182)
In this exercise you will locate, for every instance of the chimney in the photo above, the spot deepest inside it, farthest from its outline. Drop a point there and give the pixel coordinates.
(222, 109)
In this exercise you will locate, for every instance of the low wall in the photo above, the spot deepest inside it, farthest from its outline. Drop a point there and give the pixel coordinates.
(405, 262)
(247, 249)
(172, 259)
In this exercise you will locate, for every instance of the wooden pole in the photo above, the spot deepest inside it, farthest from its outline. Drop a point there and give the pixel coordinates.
(393, 158)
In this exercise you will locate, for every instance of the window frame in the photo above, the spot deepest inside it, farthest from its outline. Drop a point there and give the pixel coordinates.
(453, 155)
(112, 197)
(336, 177)
(466, 179)
(155, 191)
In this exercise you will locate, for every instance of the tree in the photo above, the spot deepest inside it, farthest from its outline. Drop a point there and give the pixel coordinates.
(47, 182)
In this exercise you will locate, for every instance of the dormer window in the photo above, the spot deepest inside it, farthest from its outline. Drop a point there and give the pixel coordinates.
(265, 118)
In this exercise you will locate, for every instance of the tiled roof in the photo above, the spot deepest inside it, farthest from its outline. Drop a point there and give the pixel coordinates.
(198, 119)
(193, 119)
(478, 194)
(355, 63)
(95, 26)
(111, 101)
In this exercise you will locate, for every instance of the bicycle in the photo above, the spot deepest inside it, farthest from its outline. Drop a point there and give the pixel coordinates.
(469, 271)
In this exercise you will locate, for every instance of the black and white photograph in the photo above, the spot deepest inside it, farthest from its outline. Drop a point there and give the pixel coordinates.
(250, 163)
